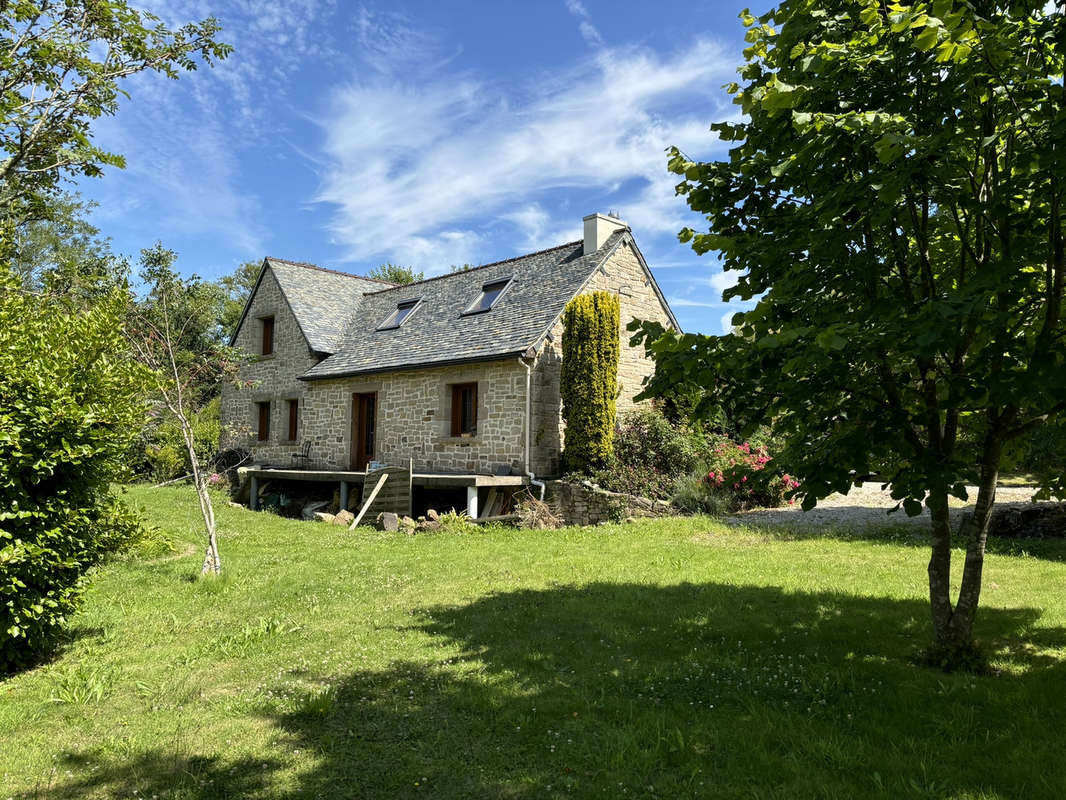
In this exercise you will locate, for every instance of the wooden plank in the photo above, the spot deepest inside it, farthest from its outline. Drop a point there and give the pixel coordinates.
(369, 501)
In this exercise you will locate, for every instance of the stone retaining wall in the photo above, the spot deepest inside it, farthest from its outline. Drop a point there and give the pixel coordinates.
(585, 503)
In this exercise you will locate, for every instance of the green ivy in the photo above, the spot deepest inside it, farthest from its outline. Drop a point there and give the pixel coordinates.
(589, 381)
(70, 403)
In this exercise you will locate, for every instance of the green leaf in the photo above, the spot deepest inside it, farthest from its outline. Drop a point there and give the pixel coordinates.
(927, 39)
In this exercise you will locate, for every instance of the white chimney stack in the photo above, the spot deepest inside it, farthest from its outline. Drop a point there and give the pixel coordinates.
(598, 227)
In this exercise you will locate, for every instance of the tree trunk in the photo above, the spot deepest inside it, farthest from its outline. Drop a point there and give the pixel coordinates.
(212, 561)
(940, 568)
(976, 533)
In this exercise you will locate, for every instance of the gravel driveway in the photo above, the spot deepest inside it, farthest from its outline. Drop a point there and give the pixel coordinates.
(864, 505)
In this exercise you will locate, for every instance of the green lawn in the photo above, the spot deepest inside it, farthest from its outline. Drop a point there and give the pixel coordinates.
(677, 658)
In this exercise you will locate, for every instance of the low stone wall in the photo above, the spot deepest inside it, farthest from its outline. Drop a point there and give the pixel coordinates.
(585, 503)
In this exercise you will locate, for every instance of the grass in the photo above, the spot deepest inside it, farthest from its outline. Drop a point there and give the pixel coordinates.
(676, 658)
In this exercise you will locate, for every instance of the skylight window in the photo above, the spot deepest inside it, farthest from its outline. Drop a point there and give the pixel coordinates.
(490, 293)
(397, 317)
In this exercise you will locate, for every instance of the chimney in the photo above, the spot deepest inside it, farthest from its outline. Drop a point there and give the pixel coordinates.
(597, 228)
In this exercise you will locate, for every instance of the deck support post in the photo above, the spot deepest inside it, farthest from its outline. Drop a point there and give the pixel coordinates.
(344, 496)
(471, 502)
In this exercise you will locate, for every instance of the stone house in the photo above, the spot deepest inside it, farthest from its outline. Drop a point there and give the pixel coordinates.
(457, 374)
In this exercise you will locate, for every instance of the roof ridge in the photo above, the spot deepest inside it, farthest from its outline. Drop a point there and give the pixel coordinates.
(307, 265)
(480, 266)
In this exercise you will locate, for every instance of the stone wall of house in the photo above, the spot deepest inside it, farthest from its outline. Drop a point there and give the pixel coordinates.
(623, 276)
(267, 378)
(413, 418)
(584, 503)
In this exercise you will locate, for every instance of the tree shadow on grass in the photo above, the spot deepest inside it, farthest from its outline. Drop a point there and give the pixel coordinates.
(686, 690)
(691, 690)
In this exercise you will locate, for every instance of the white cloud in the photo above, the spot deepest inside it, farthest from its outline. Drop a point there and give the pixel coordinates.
(585, 26)
(721, 281)
(727, 321)
(427, 157)
(681, 302)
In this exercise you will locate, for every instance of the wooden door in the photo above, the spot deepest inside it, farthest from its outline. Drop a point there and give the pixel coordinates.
(364, 424)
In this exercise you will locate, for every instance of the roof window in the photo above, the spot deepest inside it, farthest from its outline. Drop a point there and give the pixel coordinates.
(399, 316)
(490, 293)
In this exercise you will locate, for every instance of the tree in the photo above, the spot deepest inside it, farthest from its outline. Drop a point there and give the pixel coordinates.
(63, 253)
(394, 273)
(61, 64)
(894, 201)
(237, 288)
(166, 334)
(70, 403)
(588, 384)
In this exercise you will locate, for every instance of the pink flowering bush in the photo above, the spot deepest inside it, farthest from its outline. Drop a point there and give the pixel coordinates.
(746, 474)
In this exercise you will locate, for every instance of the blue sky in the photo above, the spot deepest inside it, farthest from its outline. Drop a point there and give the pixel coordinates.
(428, 134)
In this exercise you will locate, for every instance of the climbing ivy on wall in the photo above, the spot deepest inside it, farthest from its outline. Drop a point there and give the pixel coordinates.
(589, 381)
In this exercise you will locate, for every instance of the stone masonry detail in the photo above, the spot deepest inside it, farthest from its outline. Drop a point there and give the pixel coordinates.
(273, 378)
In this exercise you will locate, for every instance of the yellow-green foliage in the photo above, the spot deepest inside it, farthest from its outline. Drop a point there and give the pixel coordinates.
(589, 381)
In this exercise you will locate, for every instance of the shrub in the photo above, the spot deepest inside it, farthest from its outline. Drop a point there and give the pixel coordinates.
(743, 472)
(694, 495)
(650, 454)
(589, 380)
(69, 407)
(160, 453)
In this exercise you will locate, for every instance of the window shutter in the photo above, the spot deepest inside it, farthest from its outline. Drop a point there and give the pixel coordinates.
(457, 409)
(294, 415)
(268, 335)
(264, 421)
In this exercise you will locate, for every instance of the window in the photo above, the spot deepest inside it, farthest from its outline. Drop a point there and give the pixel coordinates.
(397, 317)
(268, 335)
(294, 416)
(490, 293)
(464, 409)
(264, 421)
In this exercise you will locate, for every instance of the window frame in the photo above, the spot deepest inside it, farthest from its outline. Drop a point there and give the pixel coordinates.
(263, 409)
(390, 322)
(474, 307)
(457, 430)
(293, 405)
(268, 328)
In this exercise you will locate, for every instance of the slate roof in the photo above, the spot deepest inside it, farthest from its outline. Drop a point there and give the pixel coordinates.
(322, 300)
(437, 332)
(340, 314)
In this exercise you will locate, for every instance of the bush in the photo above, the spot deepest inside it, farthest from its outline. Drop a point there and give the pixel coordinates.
(744, 473)
(693, 495)
(159, 454)
(589, 380)
(650, 454)
(69, 408)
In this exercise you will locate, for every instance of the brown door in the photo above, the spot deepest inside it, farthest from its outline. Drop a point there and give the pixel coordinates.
(363, 429)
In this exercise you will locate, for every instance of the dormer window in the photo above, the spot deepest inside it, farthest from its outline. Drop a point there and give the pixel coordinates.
(490, 293)
(397, 317)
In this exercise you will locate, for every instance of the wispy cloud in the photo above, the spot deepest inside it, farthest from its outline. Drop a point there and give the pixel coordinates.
(683, 302)
(419, 161)
(588, 31)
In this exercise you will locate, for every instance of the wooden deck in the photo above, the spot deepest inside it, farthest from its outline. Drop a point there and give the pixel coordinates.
(435, 480)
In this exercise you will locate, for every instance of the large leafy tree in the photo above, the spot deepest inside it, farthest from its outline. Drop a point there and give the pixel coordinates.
(61, 67)
(893, 200)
